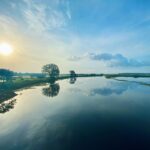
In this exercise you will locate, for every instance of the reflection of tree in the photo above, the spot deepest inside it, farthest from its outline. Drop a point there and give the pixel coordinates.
(52, 90)
(73, 80)
(6, 106)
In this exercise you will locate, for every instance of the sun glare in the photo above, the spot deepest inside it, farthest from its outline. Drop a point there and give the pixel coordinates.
(5, 49)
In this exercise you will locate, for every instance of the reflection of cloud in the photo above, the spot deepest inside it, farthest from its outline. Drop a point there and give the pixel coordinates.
(52, 90)
(107, 91)
(113, 88)
(72, 80)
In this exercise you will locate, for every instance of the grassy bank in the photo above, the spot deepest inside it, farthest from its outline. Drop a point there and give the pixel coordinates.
(7, 89)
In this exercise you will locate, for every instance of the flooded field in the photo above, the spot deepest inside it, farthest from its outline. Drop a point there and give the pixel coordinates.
(83, 113)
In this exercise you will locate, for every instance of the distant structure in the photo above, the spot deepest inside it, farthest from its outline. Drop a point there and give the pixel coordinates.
(72, 74)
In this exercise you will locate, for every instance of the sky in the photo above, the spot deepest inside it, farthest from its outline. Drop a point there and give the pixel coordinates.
(94, 36)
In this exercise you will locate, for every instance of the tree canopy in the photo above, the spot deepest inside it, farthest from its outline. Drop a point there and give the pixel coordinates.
(6, 74)
(51, 70)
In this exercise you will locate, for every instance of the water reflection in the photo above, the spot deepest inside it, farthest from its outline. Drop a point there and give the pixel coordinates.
(130, 81)
(113, 88)
(117, 88)
(72, 80)
(6, 106)
(52, 90)
(77, 121)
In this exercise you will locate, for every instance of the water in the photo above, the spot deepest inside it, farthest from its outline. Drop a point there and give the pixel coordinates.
(82, 114)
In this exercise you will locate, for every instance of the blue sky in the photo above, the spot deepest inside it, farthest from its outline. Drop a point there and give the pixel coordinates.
(87, 36)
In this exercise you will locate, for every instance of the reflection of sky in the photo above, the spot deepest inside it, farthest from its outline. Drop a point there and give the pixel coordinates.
(72, 120)
(109, 88)
(113, 88)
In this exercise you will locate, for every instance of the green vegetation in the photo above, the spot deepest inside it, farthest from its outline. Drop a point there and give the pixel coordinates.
(5, 74)
(21, 83)
(7, 89)
(51, 70)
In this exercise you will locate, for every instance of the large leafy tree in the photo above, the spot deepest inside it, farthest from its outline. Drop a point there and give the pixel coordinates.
(51, 70)
(6, 74)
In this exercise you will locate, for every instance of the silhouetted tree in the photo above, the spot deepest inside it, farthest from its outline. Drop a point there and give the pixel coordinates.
(6, 74)
(51, 70)
(72, 73)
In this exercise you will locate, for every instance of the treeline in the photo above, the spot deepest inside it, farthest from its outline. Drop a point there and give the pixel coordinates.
(6, 74)
(39, 75)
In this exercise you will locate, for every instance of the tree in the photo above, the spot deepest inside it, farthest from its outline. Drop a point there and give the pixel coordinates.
(51, 70)
(72, 74)
(6, 74)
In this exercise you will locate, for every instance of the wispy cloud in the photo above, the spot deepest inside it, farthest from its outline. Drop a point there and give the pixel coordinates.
(42, 17)
(5, 22)
(116, 60)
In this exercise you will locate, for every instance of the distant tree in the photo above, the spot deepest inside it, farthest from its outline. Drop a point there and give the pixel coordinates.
(51, 70)
(6, 74)
(72, 73)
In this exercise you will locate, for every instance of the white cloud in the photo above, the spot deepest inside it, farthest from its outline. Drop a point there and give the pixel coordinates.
(41, 17)
(6, 23)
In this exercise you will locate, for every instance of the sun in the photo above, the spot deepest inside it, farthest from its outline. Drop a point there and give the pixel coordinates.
(5, 49)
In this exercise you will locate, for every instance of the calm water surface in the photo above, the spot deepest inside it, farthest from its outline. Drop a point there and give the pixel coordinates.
(82, 114)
